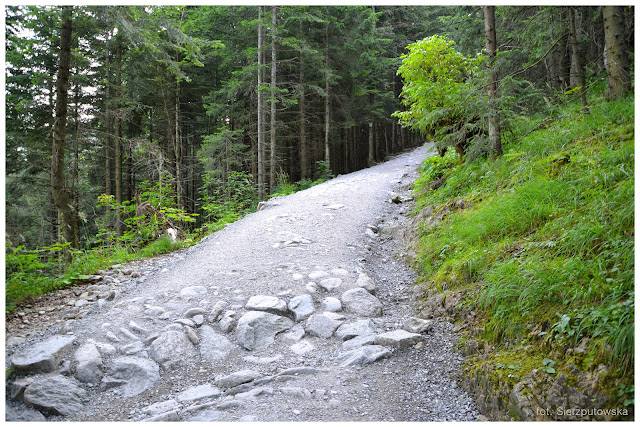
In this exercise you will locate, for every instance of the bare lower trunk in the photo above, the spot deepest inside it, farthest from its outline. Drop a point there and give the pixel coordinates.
(494, 118)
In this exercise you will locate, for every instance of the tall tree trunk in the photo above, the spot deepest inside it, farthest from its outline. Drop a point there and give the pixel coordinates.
(117, 144)
(327, 103)
(304, 173)
(615, 54)
(577, 64)
(62, 195)
(370, 160)
(494, 118)
(272, 127)
(107, 119)
(261, 192)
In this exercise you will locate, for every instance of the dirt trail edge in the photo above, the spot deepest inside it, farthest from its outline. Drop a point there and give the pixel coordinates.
(299, 312)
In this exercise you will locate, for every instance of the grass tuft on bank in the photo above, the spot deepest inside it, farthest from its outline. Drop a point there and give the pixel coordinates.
(545, 249)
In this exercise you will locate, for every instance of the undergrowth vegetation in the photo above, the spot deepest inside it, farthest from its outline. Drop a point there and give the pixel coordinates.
(547, 244)
(30, 273)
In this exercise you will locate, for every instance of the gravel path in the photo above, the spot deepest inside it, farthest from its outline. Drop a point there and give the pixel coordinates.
(299, 312)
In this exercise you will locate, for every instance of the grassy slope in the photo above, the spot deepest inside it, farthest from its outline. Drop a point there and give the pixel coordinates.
(545, 252)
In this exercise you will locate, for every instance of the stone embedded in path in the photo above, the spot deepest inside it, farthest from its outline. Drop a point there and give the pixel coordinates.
(23, 414)
(302, 347)
(171, 349)
(302, 307)
(44, 356)
(161, 407)
(366, 282)
(206, 415)
(237, 378)
(322, 325)
(57, 395)
(418, 326)
(228, 321)
(348, 331)
(331, 304)
(213, 346)
(362, 356)
(88, 363)
(192, 292)
(318, 274)
(358, 341)
(399, 338)
(266, 303)
(257, 329)
(198, 392)
(133, 374)
(361, 302)
(217, 310)
(330, 283)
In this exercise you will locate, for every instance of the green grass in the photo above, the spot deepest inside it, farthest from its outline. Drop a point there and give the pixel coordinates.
(549, 238)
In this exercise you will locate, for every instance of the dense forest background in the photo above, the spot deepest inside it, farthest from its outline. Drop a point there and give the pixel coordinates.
(188, 116)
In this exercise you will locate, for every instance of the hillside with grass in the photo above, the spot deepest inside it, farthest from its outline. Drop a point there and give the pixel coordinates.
(533, 255)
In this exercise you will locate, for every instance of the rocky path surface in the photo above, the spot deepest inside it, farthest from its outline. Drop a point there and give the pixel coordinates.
(299, 312)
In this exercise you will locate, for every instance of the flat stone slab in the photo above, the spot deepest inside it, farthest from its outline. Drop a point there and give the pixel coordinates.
(199, 392)
(359, 341)
(237, 378)
(56, 395)
(43, 357)
(362, 356)
(399, 338)
(265, 303)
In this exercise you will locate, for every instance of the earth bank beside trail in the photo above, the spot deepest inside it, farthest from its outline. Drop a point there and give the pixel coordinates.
(302, 311)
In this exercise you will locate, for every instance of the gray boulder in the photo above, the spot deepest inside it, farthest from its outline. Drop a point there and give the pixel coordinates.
(44, 356)
(361, 302)
(213, 346)
(257, 329)
(331, 304)
(330, 283)
(302, 307)
(322, 325)
(362, 356)
(133, 374)
(266, 303)
(366, 282)
(399, 338)
(358, 341)
(171, 348)
(418, 326)
(88, 363)
(22, 413)
(56, 395)
(198, 392)
(353, 329)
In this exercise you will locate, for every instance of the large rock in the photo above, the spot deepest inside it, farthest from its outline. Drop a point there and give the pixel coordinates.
(213, 346)
(417, 325)
(266, 303)
(358, 341)
(237, 378)
(133, 374)
(88, 363)
(399, 338)
(362, 355)
(366, 282)
(361, 302)
(22, 413)
(257, 329)
(322, 325)
(330, 283)
(171, 349)
(42, 357)
(302, 307)
(331, 304)
(353, 329)
(56, 395)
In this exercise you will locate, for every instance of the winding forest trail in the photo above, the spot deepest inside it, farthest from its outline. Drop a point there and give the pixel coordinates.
(299, 312)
